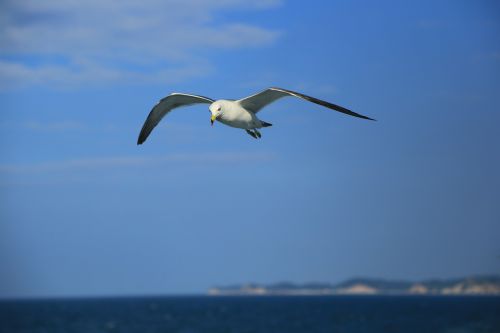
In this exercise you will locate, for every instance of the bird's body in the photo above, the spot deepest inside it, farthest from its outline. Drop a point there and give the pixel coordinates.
(235, 115)
(239, 114)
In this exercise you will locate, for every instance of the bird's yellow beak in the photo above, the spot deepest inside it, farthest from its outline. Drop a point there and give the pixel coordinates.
(212, 119)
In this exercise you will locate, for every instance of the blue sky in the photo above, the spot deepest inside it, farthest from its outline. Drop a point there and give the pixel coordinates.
(321, 197)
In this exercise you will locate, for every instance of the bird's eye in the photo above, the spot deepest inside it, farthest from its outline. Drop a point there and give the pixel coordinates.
(218, 108)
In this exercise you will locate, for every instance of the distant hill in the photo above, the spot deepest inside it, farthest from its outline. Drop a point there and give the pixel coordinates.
(474, 285)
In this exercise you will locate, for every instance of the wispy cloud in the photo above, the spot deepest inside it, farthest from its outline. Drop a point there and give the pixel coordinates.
(56, 43)
(431, 23)
(16, 75)
(47, 126)
(55, 126)
(99, 163)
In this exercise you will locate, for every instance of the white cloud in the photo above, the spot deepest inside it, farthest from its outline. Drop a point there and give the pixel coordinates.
(100, 163)
(73, 42)
(56, 126)
(44, 126)
(15, 74)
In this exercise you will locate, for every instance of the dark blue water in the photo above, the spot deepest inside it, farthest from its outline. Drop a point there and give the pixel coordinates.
(254, 314)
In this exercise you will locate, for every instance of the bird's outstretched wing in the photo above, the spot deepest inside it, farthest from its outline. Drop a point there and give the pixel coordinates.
(256, 102)
(166, 105)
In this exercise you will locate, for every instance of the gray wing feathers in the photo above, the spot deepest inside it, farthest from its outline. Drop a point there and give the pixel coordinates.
(166, 105)
(256, 102)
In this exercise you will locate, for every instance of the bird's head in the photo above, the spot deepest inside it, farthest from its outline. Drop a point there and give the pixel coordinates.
(216, 111)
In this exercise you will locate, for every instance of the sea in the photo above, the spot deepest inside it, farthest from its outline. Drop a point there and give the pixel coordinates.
(287, 314)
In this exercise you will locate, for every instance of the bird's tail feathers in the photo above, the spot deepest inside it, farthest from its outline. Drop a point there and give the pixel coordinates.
(264, 124)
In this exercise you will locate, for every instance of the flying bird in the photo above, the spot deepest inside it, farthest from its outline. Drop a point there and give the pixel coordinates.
(239, 114)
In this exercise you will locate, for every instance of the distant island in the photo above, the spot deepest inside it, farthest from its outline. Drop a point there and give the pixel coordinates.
(476, 285)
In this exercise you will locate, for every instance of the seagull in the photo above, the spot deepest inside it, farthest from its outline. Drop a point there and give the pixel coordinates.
(239, 114)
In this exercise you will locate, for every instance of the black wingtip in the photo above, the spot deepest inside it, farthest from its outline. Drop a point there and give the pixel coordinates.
(323, 103)
(354, 114)
(143, 135)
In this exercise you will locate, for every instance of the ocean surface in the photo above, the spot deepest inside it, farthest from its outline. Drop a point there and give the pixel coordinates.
(190, 314)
